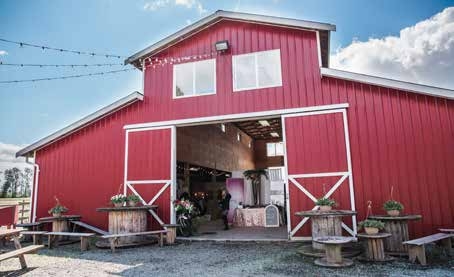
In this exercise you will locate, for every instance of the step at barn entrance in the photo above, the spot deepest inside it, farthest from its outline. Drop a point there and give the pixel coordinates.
(318, 165)
(150, 170)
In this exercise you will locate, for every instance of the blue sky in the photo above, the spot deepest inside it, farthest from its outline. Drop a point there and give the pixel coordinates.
(30, 111)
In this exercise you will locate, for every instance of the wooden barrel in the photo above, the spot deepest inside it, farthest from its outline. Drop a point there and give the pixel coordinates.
(323, 226)
(127, 221)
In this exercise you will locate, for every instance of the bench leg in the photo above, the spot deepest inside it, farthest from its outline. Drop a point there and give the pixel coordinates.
(84, 243)
(417, 253)
(37, 239)
(50, 239)
(161, 239)
(112, 241)
(21, 257)
(447, 244)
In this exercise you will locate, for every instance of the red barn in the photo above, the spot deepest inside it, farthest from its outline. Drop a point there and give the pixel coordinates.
(222, 94)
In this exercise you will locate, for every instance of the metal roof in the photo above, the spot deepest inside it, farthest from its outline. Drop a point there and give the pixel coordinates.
(125, 101)
(389, 83)
(219, 15)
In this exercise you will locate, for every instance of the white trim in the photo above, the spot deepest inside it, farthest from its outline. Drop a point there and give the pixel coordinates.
(324, 174)
(220, 15)
(132, 182)
(389, 83)
(350, 169)
(319, 52)
(89, 119)
(173, 173)
(287, 192)
(230, 117)
(125, 172)
(315, 113)
(194, 85)
(257, 85)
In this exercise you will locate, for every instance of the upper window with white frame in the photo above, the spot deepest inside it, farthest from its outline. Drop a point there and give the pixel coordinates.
(194, 78)
(257, 70)
(274, 149)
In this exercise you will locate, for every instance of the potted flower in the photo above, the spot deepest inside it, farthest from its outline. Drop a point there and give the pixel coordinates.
(371, 227)
(393, 208)
(133, 200)
(58, 209)
(325, 204)
(118, 200)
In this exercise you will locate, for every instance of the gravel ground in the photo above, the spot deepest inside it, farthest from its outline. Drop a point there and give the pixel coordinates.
(207, 259)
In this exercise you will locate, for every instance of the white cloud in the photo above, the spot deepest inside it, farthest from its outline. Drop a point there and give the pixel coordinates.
(3, 52)
(423, 53)
(189, 4)
(8, 157)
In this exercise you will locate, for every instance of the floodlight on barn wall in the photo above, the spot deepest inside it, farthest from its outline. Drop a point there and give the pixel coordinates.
(222, 45)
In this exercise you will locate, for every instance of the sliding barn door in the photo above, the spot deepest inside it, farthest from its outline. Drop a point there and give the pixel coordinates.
(318, 165)
(150, 170)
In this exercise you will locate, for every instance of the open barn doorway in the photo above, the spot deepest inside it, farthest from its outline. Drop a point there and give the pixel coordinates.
(244, 158)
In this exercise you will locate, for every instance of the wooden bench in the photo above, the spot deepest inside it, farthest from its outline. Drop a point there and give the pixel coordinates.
(89, 227)
(36, 235)
(171, 232)
(20, 254)
(445, 230)
(84, 243)
(32, 226)
(416, 249)
(113, 238)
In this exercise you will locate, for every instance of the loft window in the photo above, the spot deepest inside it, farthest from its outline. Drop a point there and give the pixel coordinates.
(257, 70)
(194, 79)
(274, 149)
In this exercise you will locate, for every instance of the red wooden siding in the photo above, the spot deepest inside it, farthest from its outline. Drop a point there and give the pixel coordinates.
(398, 139)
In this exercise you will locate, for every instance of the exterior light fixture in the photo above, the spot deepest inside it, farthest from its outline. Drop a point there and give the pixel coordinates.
(264, 123)
(274, 134)
(222, 45)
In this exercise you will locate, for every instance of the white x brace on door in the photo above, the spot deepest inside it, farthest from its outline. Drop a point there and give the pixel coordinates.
(150, 159)
(317, 148)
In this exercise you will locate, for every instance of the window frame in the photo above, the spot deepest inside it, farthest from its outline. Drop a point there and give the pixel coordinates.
(257, 86)
(174, 93)
(275, 149)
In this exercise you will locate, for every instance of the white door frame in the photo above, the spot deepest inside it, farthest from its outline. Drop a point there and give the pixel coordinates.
(343, 175)
(129, 184)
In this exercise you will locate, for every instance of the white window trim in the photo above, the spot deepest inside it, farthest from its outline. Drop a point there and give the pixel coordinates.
(275, 149)
(254, 54)
(193, 80)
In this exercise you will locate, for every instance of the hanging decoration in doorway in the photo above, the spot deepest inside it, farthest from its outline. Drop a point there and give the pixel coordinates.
(255, 176)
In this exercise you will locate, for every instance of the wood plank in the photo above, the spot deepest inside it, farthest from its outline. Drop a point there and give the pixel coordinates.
(90, 227)
(444, 230)
(428, 239)
(134, 234)
(71, 234)
(33, 232)
(20, 251)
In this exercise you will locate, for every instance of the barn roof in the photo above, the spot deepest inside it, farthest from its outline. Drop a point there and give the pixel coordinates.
(121, 103)
(323, 28)
(389, 83)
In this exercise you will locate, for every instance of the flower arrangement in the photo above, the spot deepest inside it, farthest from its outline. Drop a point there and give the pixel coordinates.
(58, 209)
(183, 206)
(325, 204)
(392, 207)
(371, 227)
(118, 200)
(133, 200)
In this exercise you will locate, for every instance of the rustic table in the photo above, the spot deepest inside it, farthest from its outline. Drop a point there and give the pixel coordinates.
(59, 223)
(397, 226)
(125, 219)
(375, 251)
(333, 256)
(325, 224)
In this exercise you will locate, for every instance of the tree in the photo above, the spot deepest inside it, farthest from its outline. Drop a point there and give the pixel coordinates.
(17, 182)
(26, 181)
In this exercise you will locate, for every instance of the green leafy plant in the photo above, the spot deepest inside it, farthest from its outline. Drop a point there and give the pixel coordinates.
(119, 198)
(370, 223)
(393, 205)
(58, 208)
(325, 202)
(133, 198)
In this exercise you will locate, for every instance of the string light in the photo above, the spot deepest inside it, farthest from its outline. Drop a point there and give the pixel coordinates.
(44, 47)
(66, 77)
(60, 65)
(156, 61)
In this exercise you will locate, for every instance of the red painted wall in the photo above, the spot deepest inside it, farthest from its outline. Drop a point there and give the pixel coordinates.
(397, 138)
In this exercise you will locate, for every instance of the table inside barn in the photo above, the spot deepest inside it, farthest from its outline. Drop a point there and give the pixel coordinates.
(123, 220)
(325, 224)
(397, 226)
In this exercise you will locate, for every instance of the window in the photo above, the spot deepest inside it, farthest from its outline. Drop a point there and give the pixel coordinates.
(257, 70)
(194, 79)
(274, 149)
